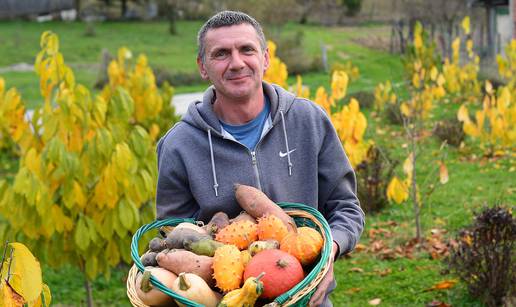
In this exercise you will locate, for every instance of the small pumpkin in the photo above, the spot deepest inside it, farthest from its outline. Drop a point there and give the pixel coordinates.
(305, 245)
(282, 271)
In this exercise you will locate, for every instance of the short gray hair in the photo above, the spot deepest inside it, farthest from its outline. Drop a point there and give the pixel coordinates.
(226, 19)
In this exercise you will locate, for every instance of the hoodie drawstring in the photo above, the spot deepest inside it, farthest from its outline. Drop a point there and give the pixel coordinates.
(215, 183)
(286, 143)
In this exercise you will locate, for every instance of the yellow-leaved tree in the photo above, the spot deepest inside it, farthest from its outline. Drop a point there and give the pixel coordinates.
(87, 169)
(426, 88)
(494, 124)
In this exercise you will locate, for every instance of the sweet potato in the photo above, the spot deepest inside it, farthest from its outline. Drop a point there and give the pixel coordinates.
(257, 204)
(181, 236)
(243, 216)
(179, 261)
(165, 230)
(217, 222)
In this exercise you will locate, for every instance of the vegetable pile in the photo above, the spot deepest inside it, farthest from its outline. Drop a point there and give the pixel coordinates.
(250, 259)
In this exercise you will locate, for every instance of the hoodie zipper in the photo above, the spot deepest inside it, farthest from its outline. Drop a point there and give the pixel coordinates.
(255, 167)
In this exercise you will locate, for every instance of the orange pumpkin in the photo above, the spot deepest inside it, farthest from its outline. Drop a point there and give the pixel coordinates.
(305, 245)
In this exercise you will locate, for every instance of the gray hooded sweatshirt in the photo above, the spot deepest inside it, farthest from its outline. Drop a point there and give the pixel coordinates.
(299, 159)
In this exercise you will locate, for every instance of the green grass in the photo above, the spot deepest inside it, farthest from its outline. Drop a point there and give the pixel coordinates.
(20, 44)
(474, 181)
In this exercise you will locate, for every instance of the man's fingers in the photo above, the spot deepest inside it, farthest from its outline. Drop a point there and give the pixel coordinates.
(317, 297)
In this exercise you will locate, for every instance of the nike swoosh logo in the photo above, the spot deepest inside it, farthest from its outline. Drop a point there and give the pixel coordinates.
(284, 154)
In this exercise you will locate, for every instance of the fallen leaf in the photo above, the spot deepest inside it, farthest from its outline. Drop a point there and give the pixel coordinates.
(437, 304)
(443, 285)
(385, 272)
(353, 290)
(375, 301)
(360, 247)
(358, 270)
(443, 173)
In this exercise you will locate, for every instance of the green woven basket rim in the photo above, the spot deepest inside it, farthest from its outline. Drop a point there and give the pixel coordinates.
(325, 254)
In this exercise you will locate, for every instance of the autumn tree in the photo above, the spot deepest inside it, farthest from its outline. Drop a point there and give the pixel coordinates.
(87, 168)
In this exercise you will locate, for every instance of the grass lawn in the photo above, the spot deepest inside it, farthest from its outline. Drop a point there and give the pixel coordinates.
(176, 54)
(363, 276)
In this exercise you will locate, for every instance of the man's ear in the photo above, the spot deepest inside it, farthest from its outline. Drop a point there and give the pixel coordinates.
(202, 69)
(266, 60)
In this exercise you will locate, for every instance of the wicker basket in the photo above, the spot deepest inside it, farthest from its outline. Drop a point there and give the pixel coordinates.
(299, 295)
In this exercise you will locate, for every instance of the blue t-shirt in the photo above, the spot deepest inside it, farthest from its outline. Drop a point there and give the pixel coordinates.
(249, 134)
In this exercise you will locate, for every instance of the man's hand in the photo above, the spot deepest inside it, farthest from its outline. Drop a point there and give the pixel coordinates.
(319, 294)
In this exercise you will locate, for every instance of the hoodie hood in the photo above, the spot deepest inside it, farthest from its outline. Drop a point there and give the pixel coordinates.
(200, 114)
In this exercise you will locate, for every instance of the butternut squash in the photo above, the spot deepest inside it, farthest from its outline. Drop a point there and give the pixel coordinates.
(195, 288)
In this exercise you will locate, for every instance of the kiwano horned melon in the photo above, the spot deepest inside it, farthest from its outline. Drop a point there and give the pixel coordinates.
(228, 268)
(240, 234)
(270, 227)
(282, 271)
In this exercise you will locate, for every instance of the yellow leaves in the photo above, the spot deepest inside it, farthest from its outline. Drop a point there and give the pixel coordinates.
(8, 297)
(463, 115)
(405, 110)
(277, 71)
(495, 123)
(418, 39)
(397, 190)
(465, 25)
(433, 73)
(408, 165)
(25, 273)
(339, 84)
(489, 87)
(322, 99)
(416, 81)
(456, 50)
(469, 48)
(383, 94)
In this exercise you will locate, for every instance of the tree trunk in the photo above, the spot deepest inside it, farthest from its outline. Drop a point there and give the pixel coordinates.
(89, 294)
(414, 134)
(123, 7)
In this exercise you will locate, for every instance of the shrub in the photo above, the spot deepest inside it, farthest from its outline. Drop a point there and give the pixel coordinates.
(366, 99)
(483, 256)
(291, 51)
(373, 176)
(393, 114)
(450, 130)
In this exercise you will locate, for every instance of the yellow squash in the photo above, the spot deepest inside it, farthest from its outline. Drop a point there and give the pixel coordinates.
(245, 296)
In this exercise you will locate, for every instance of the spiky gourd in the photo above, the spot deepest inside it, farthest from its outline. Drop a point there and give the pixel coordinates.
(246, 296)
(305, 245)
(270, 227)
(240, 234)
(228, 268)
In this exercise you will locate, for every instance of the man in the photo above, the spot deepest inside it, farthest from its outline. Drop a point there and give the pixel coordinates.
(250, 132)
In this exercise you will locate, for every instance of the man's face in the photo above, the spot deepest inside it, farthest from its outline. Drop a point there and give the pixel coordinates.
(234, 61)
